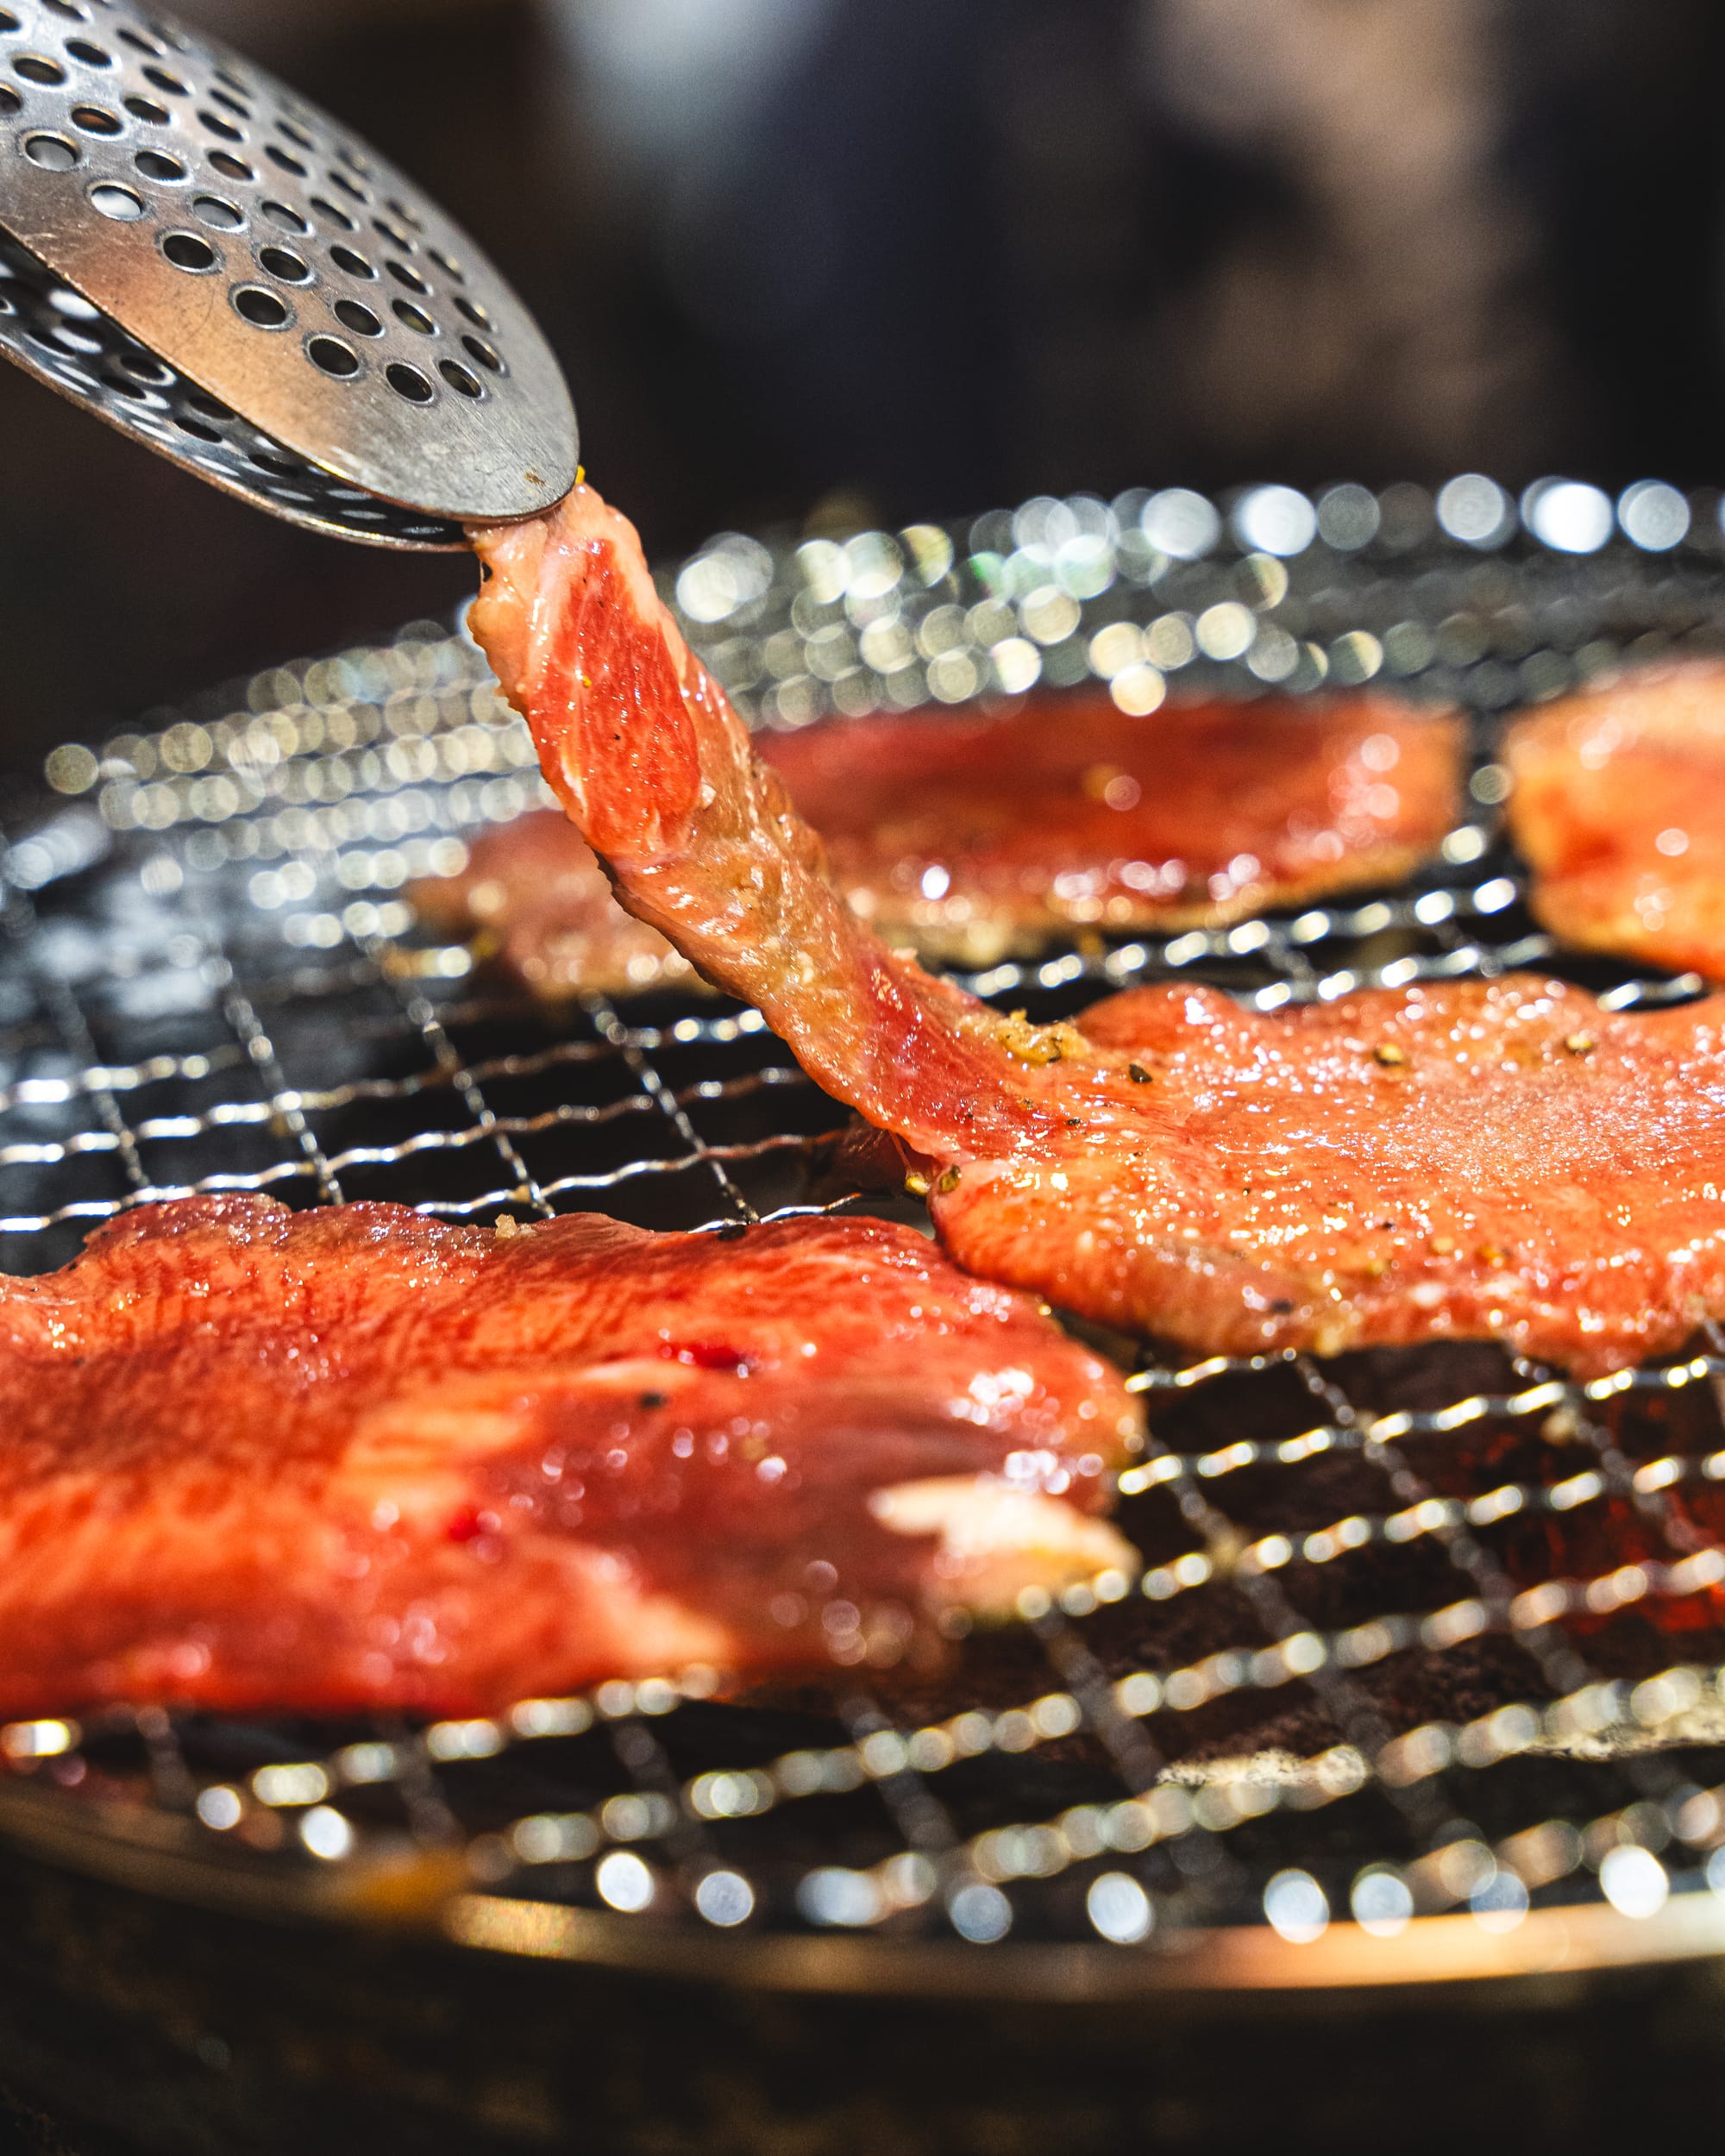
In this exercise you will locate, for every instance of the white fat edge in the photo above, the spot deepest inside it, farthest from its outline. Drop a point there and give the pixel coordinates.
(995, 1540)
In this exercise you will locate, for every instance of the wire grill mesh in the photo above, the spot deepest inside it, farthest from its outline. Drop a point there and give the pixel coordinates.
(1414, 1632)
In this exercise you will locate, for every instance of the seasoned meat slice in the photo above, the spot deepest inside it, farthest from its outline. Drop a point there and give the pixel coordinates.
(349, 1458)
(971, 837)
(1618, 805)
(533, 897)
(1505, 1159)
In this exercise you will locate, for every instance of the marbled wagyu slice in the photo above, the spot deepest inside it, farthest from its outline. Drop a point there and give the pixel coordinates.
(970, 836)
(355, 1458)
(1618, 805)
(1501, 1158)
(533, 898)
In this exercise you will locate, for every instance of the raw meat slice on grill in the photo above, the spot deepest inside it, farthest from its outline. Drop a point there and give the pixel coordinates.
(1618, 805)
(354, 1457)
(1463, 1159)
(970, 836)
(533, 897)
(1504, 1158)
(658, 775)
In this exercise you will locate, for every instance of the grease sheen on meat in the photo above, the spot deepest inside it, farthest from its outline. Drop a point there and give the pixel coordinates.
(970, 836)
(1618, 804)
(1503, 1158)
(1470, 1158)
(355, 1457)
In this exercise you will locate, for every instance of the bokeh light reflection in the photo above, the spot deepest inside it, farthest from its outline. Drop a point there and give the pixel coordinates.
(1654, 515)
(1119, 1908)
(1568, 514)
(1633, 1881)
(980, 1913)
(1275, 520)
(625, 1882)
(1499, 1902)
(1348, 517)
(1476, 510)
(1381, 1902)
(1181, 523)
(1296, 1907)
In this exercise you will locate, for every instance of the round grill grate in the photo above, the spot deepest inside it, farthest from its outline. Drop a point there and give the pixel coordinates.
(1417, 1641)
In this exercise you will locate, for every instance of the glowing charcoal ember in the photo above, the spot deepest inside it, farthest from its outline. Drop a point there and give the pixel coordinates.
(355, 1457)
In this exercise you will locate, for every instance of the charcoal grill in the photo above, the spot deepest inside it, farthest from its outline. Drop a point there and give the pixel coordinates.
(1421, 1682)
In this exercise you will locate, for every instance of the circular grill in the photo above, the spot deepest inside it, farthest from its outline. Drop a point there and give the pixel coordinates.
(1420, 1672)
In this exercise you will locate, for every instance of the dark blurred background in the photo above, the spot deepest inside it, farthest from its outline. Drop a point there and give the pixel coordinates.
(819, 259)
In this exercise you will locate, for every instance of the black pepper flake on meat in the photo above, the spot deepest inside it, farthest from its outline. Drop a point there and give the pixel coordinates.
(1138, 1073)
(653, 1399)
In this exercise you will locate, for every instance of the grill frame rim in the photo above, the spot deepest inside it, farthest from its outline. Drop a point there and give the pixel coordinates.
(1209, 1968)
(1110, 1955)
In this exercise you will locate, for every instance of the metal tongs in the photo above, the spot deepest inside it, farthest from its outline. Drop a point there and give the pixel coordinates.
(201, 258)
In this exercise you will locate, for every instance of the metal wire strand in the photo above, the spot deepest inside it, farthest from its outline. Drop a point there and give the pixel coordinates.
(294, 818)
